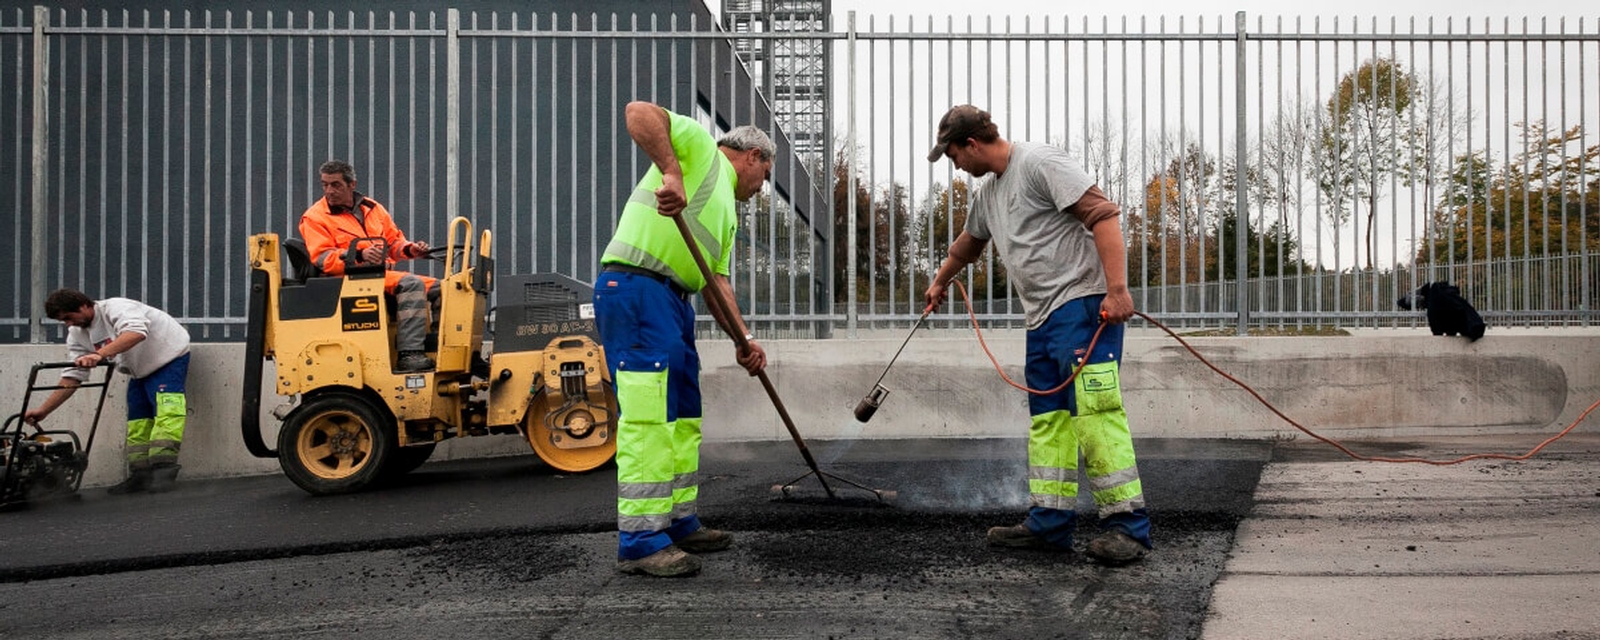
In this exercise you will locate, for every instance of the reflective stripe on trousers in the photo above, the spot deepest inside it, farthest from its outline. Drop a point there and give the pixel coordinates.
(411, 313)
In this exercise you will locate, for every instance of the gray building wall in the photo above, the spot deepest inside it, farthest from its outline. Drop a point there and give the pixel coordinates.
(169, 144)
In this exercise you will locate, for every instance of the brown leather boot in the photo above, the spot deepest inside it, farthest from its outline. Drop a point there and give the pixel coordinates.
(670, 562)
(1019, 536)
(164, 477)
(705, 540)
(1116, 548)
(138, 480)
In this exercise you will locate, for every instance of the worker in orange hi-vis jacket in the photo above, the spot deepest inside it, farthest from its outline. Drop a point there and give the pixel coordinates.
(343, 215)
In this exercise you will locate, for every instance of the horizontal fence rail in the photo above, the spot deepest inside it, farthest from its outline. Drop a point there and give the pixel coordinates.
(1271, 172)
(1360, 158)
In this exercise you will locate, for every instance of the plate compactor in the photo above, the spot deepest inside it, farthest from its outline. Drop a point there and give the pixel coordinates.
(350, 421)
(39, 464)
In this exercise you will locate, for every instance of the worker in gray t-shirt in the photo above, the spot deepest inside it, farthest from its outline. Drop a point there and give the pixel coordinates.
(153, 349)
(1062, 245)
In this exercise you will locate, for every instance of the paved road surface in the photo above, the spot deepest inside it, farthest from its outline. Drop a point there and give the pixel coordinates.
(1489, 549)
(1255, 541)
(506, 548)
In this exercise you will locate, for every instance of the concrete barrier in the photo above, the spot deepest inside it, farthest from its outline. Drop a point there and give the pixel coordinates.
(1376, 383)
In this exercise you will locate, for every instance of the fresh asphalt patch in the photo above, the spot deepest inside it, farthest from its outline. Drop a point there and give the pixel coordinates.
(501, 548)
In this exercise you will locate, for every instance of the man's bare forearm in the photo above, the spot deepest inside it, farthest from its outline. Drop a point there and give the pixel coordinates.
(651, 129)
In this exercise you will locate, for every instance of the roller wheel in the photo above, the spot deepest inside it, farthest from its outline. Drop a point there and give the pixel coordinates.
(407, 459)
(580, 426)
(336, 443)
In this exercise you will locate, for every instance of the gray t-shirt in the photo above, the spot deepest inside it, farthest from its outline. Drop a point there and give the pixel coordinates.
(164, 340)
(1048, 252)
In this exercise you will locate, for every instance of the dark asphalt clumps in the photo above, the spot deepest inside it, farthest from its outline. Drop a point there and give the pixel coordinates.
(862, 572)
(515, 559)
(497, 548)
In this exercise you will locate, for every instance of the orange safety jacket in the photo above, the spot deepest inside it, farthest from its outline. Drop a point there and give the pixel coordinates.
(328, 235)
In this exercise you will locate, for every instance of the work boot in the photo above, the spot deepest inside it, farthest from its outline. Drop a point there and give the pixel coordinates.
(164, 477)
(1020, 537)
(138, 480)
(705, 540)
(670, 562)
(413, 361)
(1115, 548)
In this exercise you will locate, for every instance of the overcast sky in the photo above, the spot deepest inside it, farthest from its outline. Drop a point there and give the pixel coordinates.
(898, 106)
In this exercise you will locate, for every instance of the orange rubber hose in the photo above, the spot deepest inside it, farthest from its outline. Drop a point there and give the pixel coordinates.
(1330, 441)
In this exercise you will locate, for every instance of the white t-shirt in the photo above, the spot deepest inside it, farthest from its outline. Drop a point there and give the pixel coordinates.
(1048, 253)
(164, 340)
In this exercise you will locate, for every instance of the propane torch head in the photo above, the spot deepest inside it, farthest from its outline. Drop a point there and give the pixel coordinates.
(869, 404)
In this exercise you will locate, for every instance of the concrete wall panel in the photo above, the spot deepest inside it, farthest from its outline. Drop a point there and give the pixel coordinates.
(1373, 384)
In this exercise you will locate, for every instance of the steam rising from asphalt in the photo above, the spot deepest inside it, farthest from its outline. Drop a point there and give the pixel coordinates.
(994, 485)
(989, 481)
(849, 434)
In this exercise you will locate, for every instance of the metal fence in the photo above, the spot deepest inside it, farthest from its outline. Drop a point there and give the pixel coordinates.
(1364, 157)
(1359, 158)
(161, 140)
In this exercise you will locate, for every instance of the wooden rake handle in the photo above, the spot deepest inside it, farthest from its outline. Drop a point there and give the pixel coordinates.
(717, 308)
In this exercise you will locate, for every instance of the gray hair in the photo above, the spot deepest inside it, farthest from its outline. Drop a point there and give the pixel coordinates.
(339, 168)
(746, 138)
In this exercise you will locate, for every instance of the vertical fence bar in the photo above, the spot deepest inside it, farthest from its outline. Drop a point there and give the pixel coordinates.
(594, 153)
(572, 146)
(1144, 170)
(1586, 278)
(1500, 297)
(57, 202)
(205, 161)
(1276, 304)
(527, 250)
(1528, 286)
(165, 132)
(873, 205)
(17, 274)
(1240, 193)
(493, 178)
(83, 133)
(1563, 296)
(852, 314)
(105, 44)
(1429, 153)
(452, 114)
(41, 115)
(1205, 287)
(1467, 103)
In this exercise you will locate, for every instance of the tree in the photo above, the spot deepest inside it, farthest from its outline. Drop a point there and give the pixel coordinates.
(1382, 123)
(779, 247)
(878, 237)
(1168, 236)
(1269, 253)
(940, 219)
(1107, 148)
(1187, 225)
(1541, 203)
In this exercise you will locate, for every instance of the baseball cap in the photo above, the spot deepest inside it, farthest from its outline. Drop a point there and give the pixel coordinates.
(959, 123)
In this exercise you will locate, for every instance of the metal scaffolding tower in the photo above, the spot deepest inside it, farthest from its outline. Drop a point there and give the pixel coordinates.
(793, 70)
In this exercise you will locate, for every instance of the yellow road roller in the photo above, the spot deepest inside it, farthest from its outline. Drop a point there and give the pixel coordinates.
(349, 421)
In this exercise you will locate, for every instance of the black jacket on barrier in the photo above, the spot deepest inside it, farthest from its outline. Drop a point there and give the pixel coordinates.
(1449, 314)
